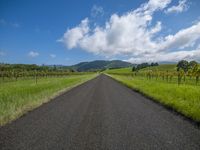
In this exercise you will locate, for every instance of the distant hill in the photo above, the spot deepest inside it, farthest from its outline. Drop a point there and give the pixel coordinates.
(100, 65)
(97, 65)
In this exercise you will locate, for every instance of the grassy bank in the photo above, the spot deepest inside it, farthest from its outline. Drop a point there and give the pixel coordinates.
(183, 98)
(16, 98)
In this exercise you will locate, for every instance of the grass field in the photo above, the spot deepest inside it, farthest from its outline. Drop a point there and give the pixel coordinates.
(162, 67)
(18, 97)
(182, 98)
(120, 70)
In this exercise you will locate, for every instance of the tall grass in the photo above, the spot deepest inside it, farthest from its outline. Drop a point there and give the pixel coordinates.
(182, 98)
(18, 97)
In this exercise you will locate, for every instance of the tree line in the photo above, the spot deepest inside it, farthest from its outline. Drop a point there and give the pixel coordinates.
(143, 65)
(16, 71)
(184, 69)
(31, 67)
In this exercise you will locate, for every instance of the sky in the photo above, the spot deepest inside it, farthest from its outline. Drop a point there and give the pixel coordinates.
(71, 31)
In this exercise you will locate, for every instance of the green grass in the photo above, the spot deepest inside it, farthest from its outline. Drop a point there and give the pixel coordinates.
(120, 70)
(184, 98)
(18, 97)
(162, 67)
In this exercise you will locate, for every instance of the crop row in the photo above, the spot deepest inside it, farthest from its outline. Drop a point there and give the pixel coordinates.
(178, 77)
(15, 75)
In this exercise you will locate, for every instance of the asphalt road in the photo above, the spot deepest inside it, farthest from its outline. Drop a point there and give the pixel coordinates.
(100, 114)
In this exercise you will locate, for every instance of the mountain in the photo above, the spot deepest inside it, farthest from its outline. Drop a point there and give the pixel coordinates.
(100, 65)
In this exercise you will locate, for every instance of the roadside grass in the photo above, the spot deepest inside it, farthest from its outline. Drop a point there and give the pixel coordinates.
(184, 98)
(16, 98)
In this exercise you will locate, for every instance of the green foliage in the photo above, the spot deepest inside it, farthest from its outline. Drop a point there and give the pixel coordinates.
(27, 67)
(183, 64)
(154, 64)
(134, 68)
(145, 65)
(193, 66)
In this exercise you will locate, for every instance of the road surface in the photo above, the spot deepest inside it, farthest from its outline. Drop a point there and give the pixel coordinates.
(100, 115)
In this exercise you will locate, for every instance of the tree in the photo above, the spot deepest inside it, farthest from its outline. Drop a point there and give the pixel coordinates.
(193, 65)
(154, 64)
(134, 69)
(197, 74)
(183, 64)
(142, 65)
(181, 73)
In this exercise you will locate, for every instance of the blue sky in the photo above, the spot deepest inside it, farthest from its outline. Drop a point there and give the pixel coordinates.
(70, 31)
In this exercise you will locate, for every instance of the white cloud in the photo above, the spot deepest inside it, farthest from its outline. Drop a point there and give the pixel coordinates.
(97, 11)
(182, 39)
(167, 56)
(153, 5)
(72, 37)
(182, 6)
(52, 55)
(132, 34)
(33, 54)
(121, 34)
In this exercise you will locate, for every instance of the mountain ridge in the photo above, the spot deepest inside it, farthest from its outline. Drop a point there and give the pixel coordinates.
(99, 65)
